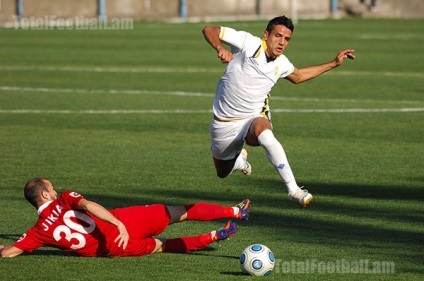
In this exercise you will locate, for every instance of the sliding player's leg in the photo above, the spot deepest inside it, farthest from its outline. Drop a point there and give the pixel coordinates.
(186, 244)
(203, 211)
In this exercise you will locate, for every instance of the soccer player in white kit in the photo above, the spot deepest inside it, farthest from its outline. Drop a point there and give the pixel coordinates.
(241, 105)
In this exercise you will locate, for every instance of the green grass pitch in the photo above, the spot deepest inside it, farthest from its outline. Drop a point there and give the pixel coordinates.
(123, 116)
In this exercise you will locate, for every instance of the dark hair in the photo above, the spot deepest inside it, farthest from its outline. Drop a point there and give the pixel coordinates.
(33, 189)
(282, 20)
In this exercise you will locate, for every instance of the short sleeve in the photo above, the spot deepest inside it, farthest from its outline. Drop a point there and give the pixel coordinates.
(237, 40)
(71, 198)
(29, 241)
(287, 66)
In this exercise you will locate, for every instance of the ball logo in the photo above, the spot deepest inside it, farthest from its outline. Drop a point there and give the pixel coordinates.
(257, 264)
(256, 248)
(271, 256)
(243, 258)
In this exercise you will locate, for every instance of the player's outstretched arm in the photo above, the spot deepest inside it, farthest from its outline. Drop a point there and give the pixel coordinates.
(9, 251)
(211, 34)
(300, 75)
(103, 214)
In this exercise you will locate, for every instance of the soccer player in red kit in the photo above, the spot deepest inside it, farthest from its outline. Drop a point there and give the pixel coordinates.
(74, 224)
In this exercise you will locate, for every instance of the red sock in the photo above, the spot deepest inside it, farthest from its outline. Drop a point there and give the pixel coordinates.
(203, 211)
(188, 243)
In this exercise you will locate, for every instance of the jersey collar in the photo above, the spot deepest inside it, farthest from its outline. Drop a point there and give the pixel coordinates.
(263, 47)
(42, 207)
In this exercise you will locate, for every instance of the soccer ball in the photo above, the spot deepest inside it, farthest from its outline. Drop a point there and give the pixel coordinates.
(257, 260)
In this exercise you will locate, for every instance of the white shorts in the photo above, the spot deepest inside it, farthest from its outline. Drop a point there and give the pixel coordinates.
(227, 138)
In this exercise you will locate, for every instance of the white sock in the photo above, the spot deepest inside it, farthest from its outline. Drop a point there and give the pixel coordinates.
(239, 164)
(236, 211)
(277, 157)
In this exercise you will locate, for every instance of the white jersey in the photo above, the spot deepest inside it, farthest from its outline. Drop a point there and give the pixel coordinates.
(245, 86)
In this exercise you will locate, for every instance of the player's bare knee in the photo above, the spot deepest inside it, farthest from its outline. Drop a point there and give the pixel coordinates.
(160, 245)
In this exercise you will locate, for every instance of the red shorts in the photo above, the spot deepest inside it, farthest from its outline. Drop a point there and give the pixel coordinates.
(142, 223)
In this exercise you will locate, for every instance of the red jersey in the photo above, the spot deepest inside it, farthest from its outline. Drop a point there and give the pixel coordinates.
(62, 225)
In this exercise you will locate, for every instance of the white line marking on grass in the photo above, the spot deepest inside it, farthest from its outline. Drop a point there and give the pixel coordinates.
(346, 100)
(191, 94)
(375, 36)
(141, 69)
(182, 111)
(378, 73)
(112, 111)
(163, 69)
(348, 110)
(100, 91)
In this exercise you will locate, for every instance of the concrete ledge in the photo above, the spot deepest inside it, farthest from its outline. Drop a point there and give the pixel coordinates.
(209, 10)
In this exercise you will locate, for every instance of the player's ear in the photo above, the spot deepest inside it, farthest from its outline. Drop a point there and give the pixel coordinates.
(44, 195)
(266, 34)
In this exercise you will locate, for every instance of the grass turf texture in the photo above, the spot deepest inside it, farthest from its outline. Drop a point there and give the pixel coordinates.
(88, 123)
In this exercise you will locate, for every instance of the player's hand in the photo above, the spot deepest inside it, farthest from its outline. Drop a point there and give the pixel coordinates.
(348, 53)
(225, 56)
(123, 236)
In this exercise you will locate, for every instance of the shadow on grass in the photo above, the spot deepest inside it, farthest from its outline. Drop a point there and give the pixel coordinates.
(206, 252)
(350, 216)
(10, 236)
(276, 197)
(51, 252)
(234, 273)
(343, 222)
(371, 192)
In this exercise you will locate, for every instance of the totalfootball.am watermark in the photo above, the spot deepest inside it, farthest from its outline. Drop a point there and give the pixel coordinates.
(313, 266)
(75, 23)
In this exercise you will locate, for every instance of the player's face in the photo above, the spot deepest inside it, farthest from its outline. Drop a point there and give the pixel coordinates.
(277, 40)
(50, 190)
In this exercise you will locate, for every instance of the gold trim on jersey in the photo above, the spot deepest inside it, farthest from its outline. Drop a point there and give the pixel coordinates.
(257, 53)
(227, 120)
(265, 108)
(221, 33)
(263, 47)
